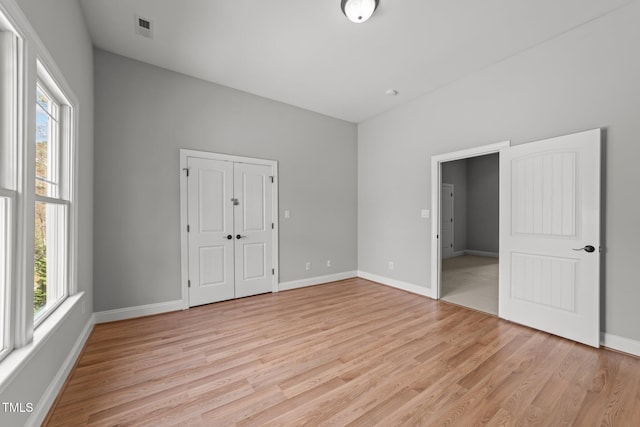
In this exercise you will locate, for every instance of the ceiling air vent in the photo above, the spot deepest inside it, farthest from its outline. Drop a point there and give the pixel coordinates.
(143, 27)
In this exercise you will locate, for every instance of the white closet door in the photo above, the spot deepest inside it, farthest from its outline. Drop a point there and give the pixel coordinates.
(253, 229)
(210, 236)
(550, 235)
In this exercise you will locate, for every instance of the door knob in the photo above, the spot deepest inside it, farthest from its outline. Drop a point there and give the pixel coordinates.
(239, 236)
(228, 237)
(587, 248)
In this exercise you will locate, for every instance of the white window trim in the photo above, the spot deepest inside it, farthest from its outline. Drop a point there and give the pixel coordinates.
(19, 357)
(11, 50)
(7, 253)
(61, 151)
(55, 150)
(31, 54)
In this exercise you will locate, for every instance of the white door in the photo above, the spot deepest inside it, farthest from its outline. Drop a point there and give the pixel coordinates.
(550, 235)
(230, 230)
(210, 230)
(253, 229)
(446, 220)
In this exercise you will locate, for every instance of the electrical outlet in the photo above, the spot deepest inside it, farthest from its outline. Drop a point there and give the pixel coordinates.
(391, 265)
(307, 266)
(328, 263)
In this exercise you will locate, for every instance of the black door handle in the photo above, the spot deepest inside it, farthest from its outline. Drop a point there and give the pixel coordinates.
(587, 248)
(238, 236)
(229, 237)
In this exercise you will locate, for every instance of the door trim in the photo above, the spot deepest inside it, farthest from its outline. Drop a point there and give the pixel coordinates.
(436, 185)
(184, 243)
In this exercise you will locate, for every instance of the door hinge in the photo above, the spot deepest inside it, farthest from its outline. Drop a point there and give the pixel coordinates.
(271, 179)
(273, 226)
(451, 194)
(189, 283)
(186, 170)
(188, 228)
(451, 219)
(273, 271)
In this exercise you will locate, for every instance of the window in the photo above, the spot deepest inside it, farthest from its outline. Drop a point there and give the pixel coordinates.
(52, 171)
(37, 204)
(8, 176)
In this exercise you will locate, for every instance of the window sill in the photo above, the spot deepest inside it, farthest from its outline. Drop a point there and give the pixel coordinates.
(11, 366)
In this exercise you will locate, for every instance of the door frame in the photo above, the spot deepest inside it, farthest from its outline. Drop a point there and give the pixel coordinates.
(436, 185)
(184, 241)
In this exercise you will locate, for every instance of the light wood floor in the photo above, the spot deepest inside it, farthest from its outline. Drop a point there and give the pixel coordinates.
(350, 352)
(471, 281)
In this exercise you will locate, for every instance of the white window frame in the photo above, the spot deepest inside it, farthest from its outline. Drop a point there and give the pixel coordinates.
(59, 172)
(24, 336)
(6, 245)
(53, 154)
(10, 94)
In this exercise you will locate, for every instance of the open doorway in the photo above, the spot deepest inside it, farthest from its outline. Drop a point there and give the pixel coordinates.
(469, 227)
(466, 215)
(549, 231)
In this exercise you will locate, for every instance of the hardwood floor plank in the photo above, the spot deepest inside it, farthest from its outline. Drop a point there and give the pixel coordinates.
(441, 388)
(493, 362)
(346, 353)
(172, 409)
(622, 405)
(526, 374)
(605, 379)
(357, 382)
(291, 404)
(555, 386)
(371, 415)
(501, 388)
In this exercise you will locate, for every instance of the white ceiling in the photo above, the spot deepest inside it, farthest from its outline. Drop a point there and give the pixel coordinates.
(306, 53)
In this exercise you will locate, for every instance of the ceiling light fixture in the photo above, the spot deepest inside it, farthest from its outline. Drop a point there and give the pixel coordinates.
(358, 11)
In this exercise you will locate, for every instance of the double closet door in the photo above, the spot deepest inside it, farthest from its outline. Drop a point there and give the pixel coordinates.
(230, 230)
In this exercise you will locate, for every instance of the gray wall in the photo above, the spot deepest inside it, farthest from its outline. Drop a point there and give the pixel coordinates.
(455, 173)
(483, 203)
(145, 114)
(583, 79)
(476, 202)
(61, 27)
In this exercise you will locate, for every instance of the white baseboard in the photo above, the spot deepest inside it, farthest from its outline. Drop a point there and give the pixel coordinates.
(294, 284)
(139, 311)
(458, 253)
(41, 409)
(622, 344)
(409, 287)
(481, 253)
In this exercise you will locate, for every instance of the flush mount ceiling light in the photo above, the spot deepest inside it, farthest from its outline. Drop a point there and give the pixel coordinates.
(358, 11)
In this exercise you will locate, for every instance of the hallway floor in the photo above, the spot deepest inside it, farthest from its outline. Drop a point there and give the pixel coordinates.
(471, 281)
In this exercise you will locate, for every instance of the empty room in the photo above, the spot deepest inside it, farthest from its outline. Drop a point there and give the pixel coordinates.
(338, 212)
